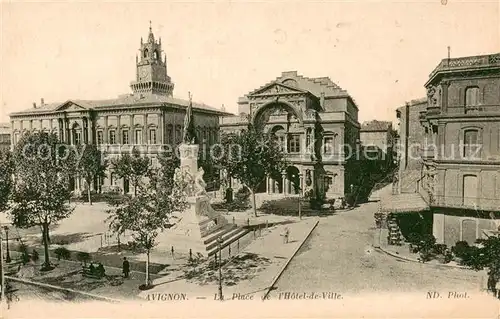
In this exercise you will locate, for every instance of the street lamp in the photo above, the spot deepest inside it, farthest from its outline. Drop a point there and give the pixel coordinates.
(7, 257)
(219, 245)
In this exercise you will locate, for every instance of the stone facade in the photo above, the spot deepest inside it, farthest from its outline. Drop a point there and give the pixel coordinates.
(461, 169)
(377, 140)
(150, 118)
(5, 136)
(315, 120)
(411, 134)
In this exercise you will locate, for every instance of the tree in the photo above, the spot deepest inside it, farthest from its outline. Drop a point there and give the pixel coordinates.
(6, 181)
(40, 195)
(250, 157)
(90, 165)
(147, 214)
(132, 166)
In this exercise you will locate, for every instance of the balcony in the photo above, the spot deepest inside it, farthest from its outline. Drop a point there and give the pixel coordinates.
(472, 62)
(433, 110)
(479, 204)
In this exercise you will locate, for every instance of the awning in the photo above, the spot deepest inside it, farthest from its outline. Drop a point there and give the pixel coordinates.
(403, 203)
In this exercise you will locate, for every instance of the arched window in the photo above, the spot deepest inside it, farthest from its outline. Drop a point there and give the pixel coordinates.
(146, 52)
(471, 97)
(155, 55)
(471, 143)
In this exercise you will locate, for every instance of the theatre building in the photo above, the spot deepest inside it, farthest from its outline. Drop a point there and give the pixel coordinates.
(317, 124)
(149, 118)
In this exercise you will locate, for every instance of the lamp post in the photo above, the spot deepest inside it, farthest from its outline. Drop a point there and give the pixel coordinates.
(7, 253)
(219, 244)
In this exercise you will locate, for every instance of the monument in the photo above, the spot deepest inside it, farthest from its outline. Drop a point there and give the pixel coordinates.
(199, 220)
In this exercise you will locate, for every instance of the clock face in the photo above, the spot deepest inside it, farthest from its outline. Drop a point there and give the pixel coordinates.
(143, 73)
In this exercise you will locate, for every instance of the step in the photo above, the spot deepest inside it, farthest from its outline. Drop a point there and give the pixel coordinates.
(221, 232)
(225, 237)
(228, 241)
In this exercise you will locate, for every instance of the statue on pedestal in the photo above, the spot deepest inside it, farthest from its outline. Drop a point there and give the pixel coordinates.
(189, 134)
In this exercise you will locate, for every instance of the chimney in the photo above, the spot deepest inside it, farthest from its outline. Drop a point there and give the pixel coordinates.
(322, 99)
(42, 102)
(34, 105)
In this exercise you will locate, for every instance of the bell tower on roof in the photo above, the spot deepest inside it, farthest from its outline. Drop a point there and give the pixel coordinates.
(151, 69)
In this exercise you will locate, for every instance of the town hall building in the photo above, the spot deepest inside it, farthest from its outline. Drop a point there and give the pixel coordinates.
(149, 118)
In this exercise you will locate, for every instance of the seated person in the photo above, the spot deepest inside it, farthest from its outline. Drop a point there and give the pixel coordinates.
(91, 268)
(100, 270)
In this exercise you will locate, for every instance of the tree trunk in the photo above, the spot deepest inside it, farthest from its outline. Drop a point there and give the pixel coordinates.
(88, 192)
(254, 204)
(118, 240)
(46, 263)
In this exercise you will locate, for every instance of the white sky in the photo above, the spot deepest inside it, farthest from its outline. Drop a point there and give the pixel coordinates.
(380, 52)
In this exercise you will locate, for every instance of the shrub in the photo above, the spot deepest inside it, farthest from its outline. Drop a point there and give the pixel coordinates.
(439, 249)
(414, 238)
(62, 253)
(426, 255)
(83, 257)
(460, 249)
(427, 243)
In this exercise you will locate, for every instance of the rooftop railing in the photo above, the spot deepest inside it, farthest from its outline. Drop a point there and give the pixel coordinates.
(467, 62)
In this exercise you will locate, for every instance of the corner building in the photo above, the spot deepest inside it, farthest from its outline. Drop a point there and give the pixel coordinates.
(150, 118)
(316, 122)
(461, 164)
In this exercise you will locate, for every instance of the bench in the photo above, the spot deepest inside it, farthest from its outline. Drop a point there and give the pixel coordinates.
(87, 272)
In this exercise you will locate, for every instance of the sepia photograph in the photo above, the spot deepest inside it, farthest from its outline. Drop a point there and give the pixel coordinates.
(274, 159)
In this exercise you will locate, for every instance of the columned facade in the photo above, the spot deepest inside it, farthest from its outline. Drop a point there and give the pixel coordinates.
(314, 120)
(144, 119)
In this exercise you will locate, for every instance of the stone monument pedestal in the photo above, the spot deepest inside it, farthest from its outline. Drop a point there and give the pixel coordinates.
(199, 222)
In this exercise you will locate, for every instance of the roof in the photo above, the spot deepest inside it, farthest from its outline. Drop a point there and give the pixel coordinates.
(376, 126)
(315, 86)
(4, 128)
(123, 100)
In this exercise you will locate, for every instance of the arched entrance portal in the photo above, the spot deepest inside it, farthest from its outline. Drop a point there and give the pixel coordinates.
(292, 180)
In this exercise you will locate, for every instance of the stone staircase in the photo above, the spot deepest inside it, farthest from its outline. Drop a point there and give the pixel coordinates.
(230, 233)
(395, 237)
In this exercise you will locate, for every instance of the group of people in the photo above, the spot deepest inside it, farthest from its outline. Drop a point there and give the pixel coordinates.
(97, 269)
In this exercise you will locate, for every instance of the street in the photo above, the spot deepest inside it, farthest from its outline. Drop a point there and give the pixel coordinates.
(339, 257)
(24, 292)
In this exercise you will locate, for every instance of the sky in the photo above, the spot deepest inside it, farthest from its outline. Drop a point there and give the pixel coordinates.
(381, 52)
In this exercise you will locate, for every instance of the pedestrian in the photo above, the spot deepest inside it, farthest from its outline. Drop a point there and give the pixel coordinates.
(100, 270)
(125, 267)
(286, 234)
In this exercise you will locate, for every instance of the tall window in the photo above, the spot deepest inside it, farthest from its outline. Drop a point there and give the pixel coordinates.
(152, 136)
(471, 143)
(112, 137)
(178, 133)
(471, 97)
(328, 145)
(170, 134)
(99, 138)
(78, 137)
(138, 136)
(294, 143)
(125, 137)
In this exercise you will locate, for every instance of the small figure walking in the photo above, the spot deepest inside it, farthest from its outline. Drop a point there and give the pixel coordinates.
(126, 267)
(286, 234)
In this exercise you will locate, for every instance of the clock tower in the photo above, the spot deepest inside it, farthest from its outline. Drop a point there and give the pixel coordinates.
(151, 69)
